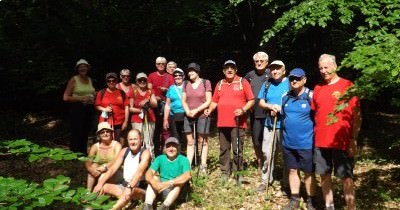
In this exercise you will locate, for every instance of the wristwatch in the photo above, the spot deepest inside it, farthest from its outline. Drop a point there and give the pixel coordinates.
(171, 183)
(129, 186)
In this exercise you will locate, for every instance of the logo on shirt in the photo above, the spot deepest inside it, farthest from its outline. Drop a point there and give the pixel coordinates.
(303, 106)
(236, 87)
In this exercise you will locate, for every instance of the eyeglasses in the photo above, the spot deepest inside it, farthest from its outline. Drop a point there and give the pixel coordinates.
(259, 61)
(111, 81)
(142, 80)
(104, 131)
(294, 78)
(178, 75)
(125, 76)
(160, 63)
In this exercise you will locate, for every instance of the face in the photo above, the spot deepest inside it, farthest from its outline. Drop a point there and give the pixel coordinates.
(171, 150)
(260, 64)
(105, 134)
(193, 75)
(134, 141)
(171, 68)
(327, 69)
(297, 82)
(111, 82)
(160, 66)
(125, 78)
(178, 77)
(229, 71)
(83, 69)
(277, 72)
(141, 82)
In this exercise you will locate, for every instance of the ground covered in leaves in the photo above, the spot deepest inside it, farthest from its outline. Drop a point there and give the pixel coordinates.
(377, 172)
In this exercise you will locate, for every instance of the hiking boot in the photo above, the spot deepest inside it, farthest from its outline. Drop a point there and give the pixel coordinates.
(147, 206)
(261, 188)
(330, 208)
(203, 170)
(293, 205)
(163, 207)
(310, 205)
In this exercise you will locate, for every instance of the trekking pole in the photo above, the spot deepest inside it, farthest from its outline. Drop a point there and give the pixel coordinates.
(272, 151)
(195, 141)
(111, 116)
(202, 144)
(237, 149)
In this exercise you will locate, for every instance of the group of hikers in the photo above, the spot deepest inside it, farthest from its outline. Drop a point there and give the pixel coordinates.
(144, 128)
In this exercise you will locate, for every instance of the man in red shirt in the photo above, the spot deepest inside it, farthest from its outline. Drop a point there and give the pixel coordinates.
(160, 81)
(335, 137)
(234, 97)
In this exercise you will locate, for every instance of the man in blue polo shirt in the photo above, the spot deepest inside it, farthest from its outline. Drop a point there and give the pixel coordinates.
(297, 138)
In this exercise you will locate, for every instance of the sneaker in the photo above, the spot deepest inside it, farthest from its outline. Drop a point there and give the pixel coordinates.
(293, 204)
(310, 205)
(261, 188)
(147, 206)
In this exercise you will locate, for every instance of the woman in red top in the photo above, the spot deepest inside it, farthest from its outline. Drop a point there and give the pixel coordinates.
(125, 83)
(114, 106)
(141, 102)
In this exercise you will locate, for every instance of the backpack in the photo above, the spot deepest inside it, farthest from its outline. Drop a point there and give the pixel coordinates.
(128, 150)
(240, 84)
(268, 84)
(307, 97)
(103, 91)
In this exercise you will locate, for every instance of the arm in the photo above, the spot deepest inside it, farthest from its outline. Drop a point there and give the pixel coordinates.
(92, 168)
(243, 110)
(153, 100)
(116, 163)
(180, 180)
(210, 109)
(184, 103)
(204, 105)
(154, 183)
(166, 113)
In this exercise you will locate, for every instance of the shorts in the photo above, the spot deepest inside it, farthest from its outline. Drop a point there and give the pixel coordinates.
(327, 159)
(202, 125)
(142, 185)
(299, 159)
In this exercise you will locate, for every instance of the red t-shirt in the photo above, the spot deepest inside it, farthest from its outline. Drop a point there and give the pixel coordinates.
(137, 98)
(335, 135)
(196, 97)
(157, 80)
(230, 96)
(117, 103)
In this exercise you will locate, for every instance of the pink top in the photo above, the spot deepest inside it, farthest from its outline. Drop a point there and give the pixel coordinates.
(196, 97)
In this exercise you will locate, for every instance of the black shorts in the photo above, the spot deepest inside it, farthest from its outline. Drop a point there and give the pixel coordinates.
(299, 159)
(327, 159)
(202, 125)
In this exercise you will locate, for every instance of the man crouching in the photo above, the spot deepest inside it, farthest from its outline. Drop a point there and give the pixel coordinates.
(135, 160)
(174, 172)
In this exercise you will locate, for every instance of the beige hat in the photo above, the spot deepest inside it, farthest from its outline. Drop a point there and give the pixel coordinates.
(277, 63)
(103, 125)
(82, 61)
(141, 75)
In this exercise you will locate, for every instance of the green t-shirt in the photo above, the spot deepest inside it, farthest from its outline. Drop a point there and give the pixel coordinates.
(170, 169)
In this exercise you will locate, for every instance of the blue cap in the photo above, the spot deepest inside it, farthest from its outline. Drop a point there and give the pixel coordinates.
(297, 72)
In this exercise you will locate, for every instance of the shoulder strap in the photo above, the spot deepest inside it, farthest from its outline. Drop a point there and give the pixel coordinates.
(267, 85)
(122, 94)
(102, 92)
(126, 153)
(185, 83)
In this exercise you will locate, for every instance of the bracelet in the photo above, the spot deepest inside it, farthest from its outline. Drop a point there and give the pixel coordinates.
(243, 110)
(104, 166)
(171, 183)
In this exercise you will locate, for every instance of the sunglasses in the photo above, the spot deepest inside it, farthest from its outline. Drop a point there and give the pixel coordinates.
(105, 131)
(142, 80)
(178, 75)
(111, 81)
(294, 78)
(125, 76)
(259, 61)
(160, 63)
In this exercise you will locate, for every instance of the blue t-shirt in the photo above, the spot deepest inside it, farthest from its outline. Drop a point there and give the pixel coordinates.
(274, 96)
(170, 169)
(297, 121)
(174, 93)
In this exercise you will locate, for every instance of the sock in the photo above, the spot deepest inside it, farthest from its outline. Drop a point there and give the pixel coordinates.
(295, 197)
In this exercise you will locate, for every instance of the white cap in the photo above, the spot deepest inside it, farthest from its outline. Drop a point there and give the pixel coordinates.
(82, 61)
(277, 62)
(141, 75)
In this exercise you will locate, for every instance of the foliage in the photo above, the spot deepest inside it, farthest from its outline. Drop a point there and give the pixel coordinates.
(376, 43)
(37, 153)
(18, 194)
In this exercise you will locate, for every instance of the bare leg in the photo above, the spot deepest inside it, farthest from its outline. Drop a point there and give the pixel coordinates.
(172, 196)
(90, 182)
(326, 185)
(150, 195)
(309, 182)
(349, 193)
(294, 181)
(204, 152)
(190, 147)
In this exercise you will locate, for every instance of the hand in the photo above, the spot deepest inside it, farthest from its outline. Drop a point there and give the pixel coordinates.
(98, 189)
(238, 112)
(352, 148)
(192, 113)
(162, 186)
(207, 112)
(165, 124)
(95, 172)
(127, 194)
(88, 99)
(124, 125)
(163, 89)
(275, 107)
(143, 102)
(108, 109)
